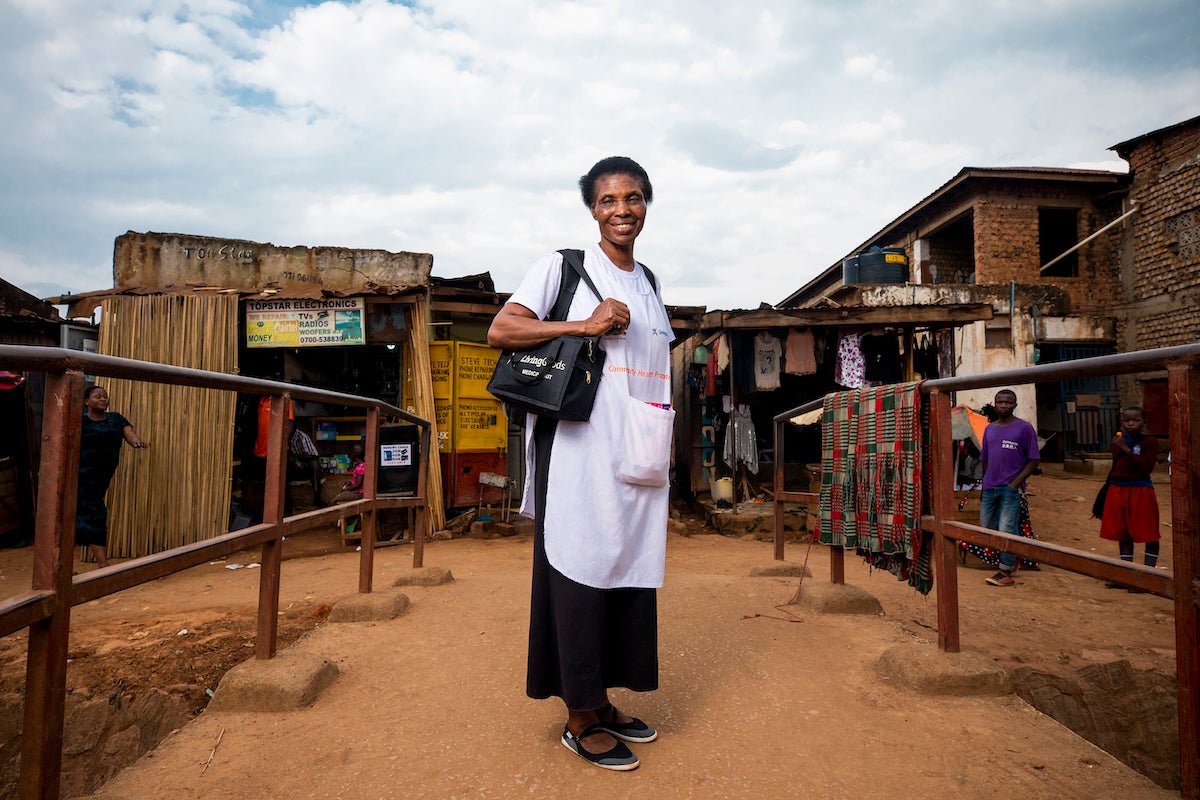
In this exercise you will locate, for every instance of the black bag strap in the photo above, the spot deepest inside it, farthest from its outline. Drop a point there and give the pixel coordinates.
(572, 271)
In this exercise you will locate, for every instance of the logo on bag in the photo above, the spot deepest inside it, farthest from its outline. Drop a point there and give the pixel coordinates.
(537, 361)
(560, 366)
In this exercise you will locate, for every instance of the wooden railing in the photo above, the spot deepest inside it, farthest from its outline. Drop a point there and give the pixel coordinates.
(45, 610)
(1181, 585)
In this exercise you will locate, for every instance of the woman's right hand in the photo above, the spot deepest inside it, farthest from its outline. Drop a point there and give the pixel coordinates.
(610, 317)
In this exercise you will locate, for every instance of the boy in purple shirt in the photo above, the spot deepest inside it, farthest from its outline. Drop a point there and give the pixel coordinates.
(1009, 454)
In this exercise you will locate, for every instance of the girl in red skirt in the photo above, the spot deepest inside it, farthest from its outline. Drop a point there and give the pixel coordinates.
(1131, 509)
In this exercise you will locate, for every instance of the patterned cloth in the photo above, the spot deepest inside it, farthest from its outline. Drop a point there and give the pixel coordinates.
(871, 487)
(990, 556)
(850, 369)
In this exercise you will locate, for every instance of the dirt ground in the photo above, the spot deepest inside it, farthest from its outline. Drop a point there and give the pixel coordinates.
(752, 702)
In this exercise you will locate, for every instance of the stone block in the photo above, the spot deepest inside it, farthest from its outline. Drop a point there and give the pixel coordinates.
(836, 598)
(923, 668)
(290, 681)
(424, 576)
(369, 607)
(481, 529)
(780, 569)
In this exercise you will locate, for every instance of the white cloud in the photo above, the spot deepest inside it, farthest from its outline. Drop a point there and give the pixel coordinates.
(778, 137)
(868, 66)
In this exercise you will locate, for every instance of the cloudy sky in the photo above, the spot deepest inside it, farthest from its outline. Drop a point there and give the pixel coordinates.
(778, 134)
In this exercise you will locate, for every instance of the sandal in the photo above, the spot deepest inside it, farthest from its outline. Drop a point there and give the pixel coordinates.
(633, 731)
(619, 757)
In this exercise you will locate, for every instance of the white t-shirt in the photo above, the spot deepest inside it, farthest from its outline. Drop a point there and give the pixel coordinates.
(600, 531)
(767, 353)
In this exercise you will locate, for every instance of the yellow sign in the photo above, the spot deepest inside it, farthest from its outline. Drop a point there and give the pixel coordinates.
(304, 323)
(443, 410)
(473, 369)
(479, 425)
(441, 357)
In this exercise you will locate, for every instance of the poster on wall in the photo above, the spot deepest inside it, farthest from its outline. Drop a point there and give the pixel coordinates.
(304, 323)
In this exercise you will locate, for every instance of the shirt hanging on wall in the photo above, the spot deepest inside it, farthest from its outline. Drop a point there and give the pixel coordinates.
(848, 371)
(881, 358)
(767, 354)
(800, 358)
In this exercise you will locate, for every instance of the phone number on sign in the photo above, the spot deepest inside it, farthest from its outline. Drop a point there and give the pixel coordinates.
(319, 339)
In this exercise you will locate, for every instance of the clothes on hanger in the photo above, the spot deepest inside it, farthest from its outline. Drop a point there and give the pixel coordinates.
(849, 371)
(800, 356)
(768, 353)
(881, 357)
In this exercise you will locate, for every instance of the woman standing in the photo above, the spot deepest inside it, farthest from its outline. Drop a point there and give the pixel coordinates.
(99, 453)
(1131, 509)
(600, 538)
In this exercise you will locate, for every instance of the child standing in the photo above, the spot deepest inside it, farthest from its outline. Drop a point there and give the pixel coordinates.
(1131, 508)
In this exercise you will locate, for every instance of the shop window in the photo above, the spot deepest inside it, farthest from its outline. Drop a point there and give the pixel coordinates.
(1058, 232)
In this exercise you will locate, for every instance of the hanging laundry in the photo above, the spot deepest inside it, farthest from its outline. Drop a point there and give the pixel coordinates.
(741, 442)
(710, 374)
(881, 357)
(871, 479)
(925, 356)
(768, 352)
(800, 354)
(722, 351)
(848, 370)
(742, 363)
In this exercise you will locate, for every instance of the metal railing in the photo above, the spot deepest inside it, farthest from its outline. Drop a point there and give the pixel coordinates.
(45, 610)
(1182, 585)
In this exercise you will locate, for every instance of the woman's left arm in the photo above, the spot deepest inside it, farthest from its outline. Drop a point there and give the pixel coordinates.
(134, 440)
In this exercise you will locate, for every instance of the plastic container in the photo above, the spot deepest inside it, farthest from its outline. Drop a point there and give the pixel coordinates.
(882, 265)
(850, 271)
(722, 489)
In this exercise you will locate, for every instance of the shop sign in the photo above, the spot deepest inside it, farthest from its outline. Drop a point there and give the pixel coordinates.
(304, 323)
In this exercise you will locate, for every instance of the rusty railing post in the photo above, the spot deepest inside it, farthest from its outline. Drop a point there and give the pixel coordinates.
(366, 561)
(779, 454)
(1183, 390)
(273, 505)
(422, 511)
(53, 561)
(945, 550)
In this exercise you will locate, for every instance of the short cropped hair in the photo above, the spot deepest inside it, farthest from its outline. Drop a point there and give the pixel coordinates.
(614, 165)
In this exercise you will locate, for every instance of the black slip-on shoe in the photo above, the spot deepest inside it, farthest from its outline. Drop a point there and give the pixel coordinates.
(620, 757)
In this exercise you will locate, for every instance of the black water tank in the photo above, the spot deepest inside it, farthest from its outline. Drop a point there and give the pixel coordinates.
(882, 265)
(399, 459)
(850, 272)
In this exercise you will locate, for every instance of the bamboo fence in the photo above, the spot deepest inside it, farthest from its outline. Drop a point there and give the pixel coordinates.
(422, 385)
(177, 491)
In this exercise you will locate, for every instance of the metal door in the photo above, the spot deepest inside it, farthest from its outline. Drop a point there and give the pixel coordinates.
(1091, 406)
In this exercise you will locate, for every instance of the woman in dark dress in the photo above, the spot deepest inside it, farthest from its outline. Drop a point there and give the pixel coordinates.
(99, 453)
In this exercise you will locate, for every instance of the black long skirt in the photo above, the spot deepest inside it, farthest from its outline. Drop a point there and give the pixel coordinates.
(583, 641)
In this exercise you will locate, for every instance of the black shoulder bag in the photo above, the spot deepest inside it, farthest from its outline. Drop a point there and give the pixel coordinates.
(1102, 495)
(558, 378)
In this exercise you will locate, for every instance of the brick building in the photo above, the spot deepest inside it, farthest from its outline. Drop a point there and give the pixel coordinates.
(1074, 263)
(1159, 251)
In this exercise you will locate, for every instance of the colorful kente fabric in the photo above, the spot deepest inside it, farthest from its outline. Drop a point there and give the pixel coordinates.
(871, 479)
(990, 556)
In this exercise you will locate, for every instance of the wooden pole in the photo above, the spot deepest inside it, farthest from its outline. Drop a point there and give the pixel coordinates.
(53, 560)
(1183, 388)
(272, 551)
(945, 555)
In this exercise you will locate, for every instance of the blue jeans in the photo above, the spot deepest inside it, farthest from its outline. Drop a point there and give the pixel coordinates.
(1000, 509)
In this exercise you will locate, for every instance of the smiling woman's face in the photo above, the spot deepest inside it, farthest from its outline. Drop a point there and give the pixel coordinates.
(619, 208)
